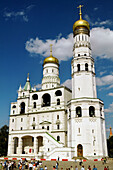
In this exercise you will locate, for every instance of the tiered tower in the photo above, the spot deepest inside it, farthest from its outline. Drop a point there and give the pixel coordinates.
(86, 122)
(50, 72)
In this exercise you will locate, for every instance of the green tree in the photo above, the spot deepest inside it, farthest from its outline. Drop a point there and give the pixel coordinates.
(110, 147)
(4, 140)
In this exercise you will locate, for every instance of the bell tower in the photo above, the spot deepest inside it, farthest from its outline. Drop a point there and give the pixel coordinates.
(83, 71)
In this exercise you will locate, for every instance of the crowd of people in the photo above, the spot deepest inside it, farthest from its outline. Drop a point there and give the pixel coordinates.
(37, 165)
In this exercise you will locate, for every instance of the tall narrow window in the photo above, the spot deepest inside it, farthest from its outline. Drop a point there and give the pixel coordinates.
(78, 67)
(78, 112)
(58, 138)
(86, 67)
(91, 111)
(34, 105)
(33, 118)
(58, 101)
(47, 127)
(57, 116)
(58, 126)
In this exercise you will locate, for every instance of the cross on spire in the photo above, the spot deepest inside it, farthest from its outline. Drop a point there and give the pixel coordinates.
(80, 13)
(51, 49)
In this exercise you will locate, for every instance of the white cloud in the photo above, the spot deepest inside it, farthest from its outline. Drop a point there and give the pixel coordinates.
(110, 108)
(95, 9)
(62, 47)
(101, 42)
(102, 72)
(38, 86)
(98, 22)
(68, 83)
(17, 14)
(105, 80)
(110, 94)
(110, 87)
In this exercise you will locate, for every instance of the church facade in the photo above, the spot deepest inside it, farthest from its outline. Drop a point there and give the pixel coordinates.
(55, 121)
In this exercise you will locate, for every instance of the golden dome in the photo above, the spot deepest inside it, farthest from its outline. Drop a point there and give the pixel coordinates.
(51, 59)
(81, 23)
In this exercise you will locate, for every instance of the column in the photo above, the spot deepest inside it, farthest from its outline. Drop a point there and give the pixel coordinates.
(20, 146)
(35, 145)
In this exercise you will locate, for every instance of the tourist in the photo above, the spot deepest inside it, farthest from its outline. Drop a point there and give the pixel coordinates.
(53, 167)
(57, 165)
(30, 166)
(82, 168)
(80, 163)
(89, 168)
(105, 168)
(76, 168)
(45, 167)
(94, 168)
(71, 168)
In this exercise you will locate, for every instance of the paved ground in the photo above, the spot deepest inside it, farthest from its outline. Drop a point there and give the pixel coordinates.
(68, 164)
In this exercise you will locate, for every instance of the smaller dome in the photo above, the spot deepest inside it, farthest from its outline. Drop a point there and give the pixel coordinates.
(81, 23)
(51, 59)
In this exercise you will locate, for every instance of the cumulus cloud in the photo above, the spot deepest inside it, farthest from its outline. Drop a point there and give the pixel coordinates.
(105, 80)
(62, 47)
(38, 86)
(101, 42)
(68, 83)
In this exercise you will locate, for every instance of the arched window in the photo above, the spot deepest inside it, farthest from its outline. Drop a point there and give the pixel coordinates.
(86, 67)
(34, 105)
(84, 54)
(78, 67)
(58, 93)
(58, 101)
(13, 106)
(58, 138)
(46, 100)
(22, 106)
(78, 112)
(78, 55)
(35, 97)
(91, 111)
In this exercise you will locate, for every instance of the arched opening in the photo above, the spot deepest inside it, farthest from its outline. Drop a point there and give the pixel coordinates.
(58, 93)
(40, 142)
(22, 106)
(15, 145)
(78, 112)
(78, 67)
(46, 100)
(79, 150)
(34, 105)
(13, 106)
(58, 101)
(91, 111)
(58, 138)
(35, 97)
(86, 67)
(28, 145)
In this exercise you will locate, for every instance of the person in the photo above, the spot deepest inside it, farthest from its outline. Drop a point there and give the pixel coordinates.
(94, 168)
(105, 168)
(53, 167)
(76, 168)
(30, 166)
(45, 167)
(71, 168)
(89, 168)
(82, 168)
(80, 163)
(58, 158)
(57, 165)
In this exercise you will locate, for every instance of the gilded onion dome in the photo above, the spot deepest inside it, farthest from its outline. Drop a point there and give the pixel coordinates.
(81, 26)
(51, 59)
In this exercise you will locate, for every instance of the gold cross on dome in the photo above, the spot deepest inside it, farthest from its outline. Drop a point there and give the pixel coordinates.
(80, 13)
(51, 49)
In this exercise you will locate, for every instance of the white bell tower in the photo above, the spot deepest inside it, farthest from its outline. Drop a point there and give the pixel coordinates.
(83, 71)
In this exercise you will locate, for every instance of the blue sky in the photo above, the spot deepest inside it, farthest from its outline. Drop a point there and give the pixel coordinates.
(27, 28)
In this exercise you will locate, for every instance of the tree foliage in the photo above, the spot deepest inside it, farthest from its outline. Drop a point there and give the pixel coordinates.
(4, 140)
(110, 147)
